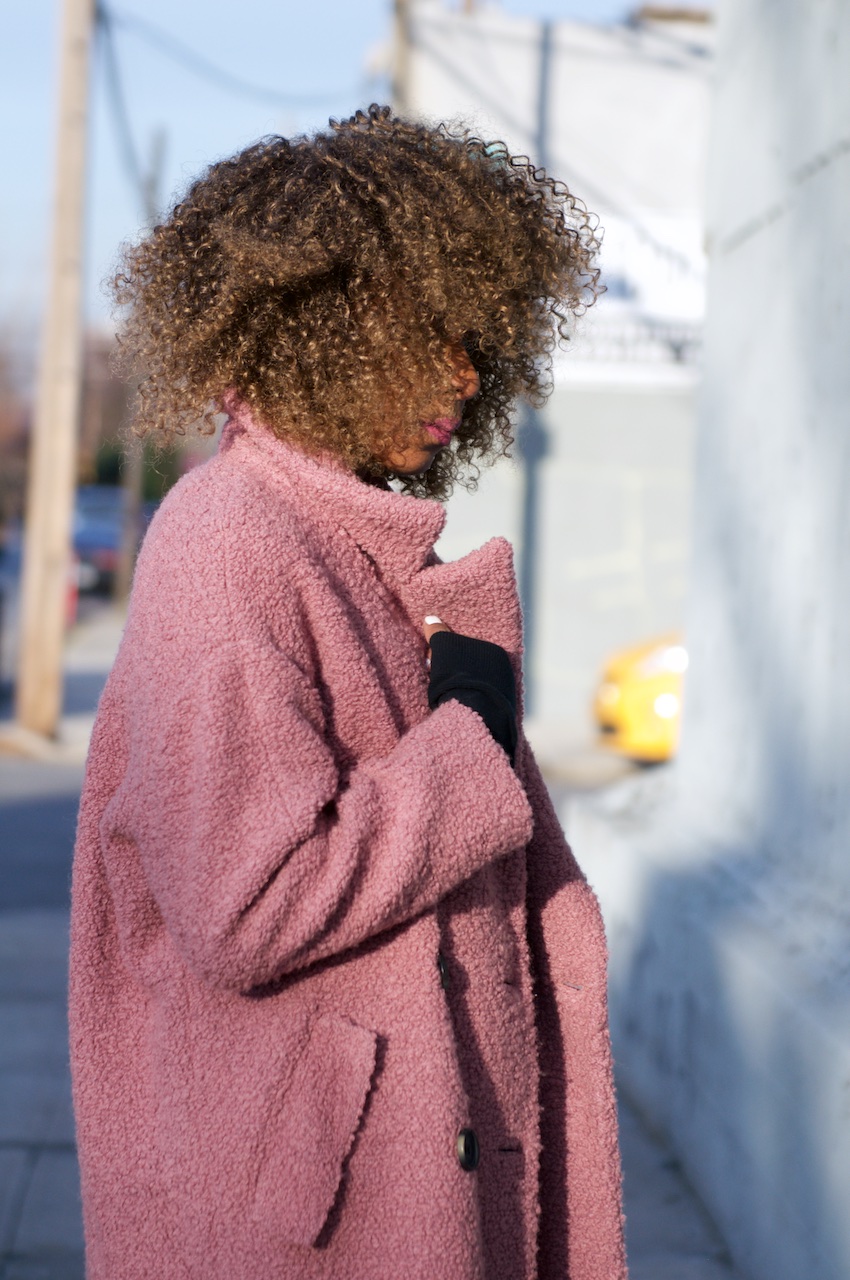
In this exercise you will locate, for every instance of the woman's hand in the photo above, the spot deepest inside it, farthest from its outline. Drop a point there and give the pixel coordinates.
(432, 625)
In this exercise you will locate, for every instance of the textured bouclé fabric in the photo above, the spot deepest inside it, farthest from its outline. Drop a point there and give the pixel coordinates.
(317, 929)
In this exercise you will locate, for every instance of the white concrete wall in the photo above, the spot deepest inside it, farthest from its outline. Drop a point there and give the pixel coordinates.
(612, 531)
(618, 112)
(726, 880)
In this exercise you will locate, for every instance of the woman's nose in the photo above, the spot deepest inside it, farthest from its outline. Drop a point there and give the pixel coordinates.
(465, 379)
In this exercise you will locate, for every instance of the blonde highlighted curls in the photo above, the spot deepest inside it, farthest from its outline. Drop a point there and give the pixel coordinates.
(324, 277)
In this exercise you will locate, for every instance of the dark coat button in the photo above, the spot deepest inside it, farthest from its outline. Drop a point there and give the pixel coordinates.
(443, 970)
(468, 1151)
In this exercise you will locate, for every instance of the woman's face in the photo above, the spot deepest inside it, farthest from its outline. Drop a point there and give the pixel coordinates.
(441, 420)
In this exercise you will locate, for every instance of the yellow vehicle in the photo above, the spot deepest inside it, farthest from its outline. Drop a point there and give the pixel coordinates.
(638, 703)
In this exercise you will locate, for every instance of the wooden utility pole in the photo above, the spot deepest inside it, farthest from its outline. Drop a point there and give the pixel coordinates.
(401, 57)
(54, 437)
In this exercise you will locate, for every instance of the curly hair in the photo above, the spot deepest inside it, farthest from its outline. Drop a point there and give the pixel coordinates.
(321, 278)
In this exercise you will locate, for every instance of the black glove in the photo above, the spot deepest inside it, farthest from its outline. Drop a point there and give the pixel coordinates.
(478, 674)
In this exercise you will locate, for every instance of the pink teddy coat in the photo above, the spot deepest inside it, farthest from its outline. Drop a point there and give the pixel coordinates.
(319, 930)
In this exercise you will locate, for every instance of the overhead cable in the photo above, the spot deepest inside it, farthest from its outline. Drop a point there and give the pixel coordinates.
(608, 202)
(201, 66)
(118, 104)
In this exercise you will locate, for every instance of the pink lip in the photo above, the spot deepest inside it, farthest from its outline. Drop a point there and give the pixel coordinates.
(442, 429)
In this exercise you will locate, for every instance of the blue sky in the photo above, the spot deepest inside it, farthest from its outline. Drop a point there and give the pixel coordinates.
(311, 50)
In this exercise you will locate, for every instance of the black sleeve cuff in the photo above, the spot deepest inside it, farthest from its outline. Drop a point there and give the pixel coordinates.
(479, 675)
(455, 655)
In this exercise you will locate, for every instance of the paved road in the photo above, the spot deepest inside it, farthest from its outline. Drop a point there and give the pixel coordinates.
(669, 1235)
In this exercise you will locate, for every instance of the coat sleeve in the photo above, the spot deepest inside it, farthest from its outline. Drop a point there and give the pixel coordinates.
(260, 859)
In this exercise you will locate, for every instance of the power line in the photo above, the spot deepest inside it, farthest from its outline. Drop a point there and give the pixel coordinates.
(190, 60)
(608, 202)
(118, 103)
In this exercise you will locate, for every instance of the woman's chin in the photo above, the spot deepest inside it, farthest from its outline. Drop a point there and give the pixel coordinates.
(414, 462)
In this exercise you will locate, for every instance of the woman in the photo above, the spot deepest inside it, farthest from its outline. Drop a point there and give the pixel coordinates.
(337, 984)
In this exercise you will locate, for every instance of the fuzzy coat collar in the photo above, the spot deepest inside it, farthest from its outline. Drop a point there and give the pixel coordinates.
(395, 530)
(475, 595)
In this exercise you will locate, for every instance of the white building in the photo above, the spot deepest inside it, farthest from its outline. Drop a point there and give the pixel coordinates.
(600, 524)
(726, 882)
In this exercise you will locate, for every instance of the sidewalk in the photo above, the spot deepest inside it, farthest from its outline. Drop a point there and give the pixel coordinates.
(40, 1228)
(669, 1235)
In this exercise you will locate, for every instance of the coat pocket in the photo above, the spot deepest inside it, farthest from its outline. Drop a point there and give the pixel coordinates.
(312, 1130)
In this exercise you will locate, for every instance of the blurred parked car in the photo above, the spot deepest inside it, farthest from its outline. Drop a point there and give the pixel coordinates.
(638, 702)
(11, 567)
(96, 537)
(98, 520)
(10, 590)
